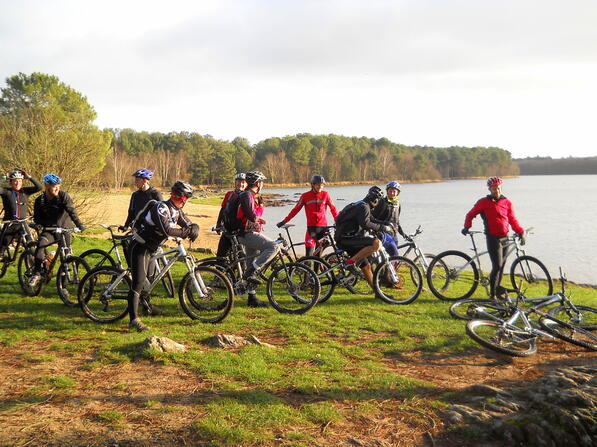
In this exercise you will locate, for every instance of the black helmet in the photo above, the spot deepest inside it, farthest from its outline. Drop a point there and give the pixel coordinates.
(253, 177)
(182, 189)
(317, 179)
(375, 193)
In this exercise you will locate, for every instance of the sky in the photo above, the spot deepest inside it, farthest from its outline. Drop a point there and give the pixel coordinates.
(516, 74)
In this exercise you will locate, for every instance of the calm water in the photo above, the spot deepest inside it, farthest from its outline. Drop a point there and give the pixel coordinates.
(561, 209)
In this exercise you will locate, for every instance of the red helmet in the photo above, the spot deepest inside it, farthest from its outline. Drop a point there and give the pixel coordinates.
(494, 181)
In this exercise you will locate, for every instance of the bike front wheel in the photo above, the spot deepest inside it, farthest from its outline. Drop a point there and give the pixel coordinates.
(26, 273)
(398, 281)
(208, 296)
(569, 332)
(323, 270)
(293, 288)
(69, 276)
(103, 294)
(502, 338)
(452, 276)
(529, 275)
(582, 316)
(471, 309)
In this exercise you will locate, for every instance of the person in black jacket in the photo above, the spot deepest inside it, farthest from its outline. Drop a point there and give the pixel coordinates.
(351, 224)
(141, 196)
(152, 228)
(53, 208)
(388, 210)
(15, 200)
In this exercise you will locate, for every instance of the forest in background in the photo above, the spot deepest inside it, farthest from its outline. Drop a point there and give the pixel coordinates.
(558, 166)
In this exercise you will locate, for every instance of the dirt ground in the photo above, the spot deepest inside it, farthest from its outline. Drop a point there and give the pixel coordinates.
(73, 418)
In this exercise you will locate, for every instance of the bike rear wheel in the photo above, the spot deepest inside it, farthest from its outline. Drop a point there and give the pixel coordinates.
(322, 269)
(584, 316)
(217, 299)
(529, 275)
(69, 276)
(293, 288)
(98, 258)
(398, 281)
(569, 332)
(470, 309)
(452, 276)
(502, 338)
(103, 294)
(26, 271)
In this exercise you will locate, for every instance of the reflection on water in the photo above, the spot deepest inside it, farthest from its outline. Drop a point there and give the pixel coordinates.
(561, 209)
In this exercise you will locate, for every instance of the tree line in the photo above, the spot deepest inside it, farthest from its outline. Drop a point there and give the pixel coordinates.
(558, 166)
(46, 126)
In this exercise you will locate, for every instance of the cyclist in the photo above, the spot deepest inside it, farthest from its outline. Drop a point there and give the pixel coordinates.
(15, 199)
(498, 215)
(151, 230)
(240, 183)
(388, 210)
(53, 208)
(315, 202)
(141, 196)
(250, 210)
(351, 224)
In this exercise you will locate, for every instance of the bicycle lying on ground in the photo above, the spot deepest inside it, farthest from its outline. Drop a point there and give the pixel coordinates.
(454, 275)
(20, 237)
(72, 268)
(205, 293)
(506, 327)
(291, 287)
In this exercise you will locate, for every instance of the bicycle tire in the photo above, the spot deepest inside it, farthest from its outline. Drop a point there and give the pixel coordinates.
(536, 280)
(96, 304)
(569, 332)
(25, 270)
(475, 328)
(327, 281)
(465, 309)
(286, 284)
(583, 316)
(4, 265)
(406, 289)
(446, 278)
(218, 297)
(167, 280)
(69, 276)
(96, 257)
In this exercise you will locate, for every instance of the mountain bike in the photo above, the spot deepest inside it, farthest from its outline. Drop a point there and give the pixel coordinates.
(422, 260)
(71, 270)
(20, 237)
(97, 257)
(453, 275)
(204, 293)
(291, 287)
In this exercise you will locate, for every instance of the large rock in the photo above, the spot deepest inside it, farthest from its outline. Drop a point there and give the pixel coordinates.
(163, 344)
(234, 341)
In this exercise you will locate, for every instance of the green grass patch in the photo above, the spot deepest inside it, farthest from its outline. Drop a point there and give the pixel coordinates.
(110, 416)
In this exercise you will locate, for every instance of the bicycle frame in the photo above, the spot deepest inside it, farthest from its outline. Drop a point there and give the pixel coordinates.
(413, 246)
(23, 236)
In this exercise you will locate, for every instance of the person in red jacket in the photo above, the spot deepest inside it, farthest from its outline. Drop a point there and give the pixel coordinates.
(316, 201)
(498, 216)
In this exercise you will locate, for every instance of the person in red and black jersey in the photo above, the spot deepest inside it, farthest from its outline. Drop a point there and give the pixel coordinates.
(316, 201)
(498, 216)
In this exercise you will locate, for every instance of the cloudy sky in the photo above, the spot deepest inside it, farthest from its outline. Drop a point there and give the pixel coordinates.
(517, 74)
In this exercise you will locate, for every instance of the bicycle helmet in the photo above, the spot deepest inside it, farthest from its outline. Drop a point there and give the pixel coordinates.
(317, 180)
(240, 176)
(52, 179)
(393, 184)
(494, 181)
(14, 174)
(375, 193)
(182, 189)
(143, 173)
(253, 177)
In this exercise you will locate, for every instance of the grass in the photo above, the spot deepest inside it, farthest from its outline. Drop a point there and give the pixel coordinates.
(330, 365)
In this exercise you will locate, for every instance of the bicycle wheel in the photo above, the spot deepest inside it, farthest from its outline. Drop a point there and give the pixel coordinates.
(26, 272)
(327, 281)
(4, 262)
(452, 276)
(584, 316)
(398, 281)
(569, 332)
(214, 302)
(293, 288)
(98, 258)
(471, 309)
(68, 278)
(103, 294)
(167, 281)
(502, 338)
(529, 275)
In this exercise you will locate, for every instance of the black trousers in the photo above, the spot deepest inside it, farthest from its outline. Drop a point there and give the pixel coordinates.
(496, 245)
(139, 255)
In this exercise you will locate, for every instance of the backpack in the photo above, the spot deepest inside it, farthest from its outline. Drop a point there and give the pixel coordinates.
(231, 222)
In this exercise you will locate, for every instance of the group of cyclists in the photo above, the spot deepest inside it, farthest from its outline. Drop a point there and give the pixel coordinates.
(361, 228)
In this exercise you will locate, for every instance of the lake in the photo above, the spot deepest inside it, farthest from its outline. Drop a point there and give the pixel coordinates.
(562, 209)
